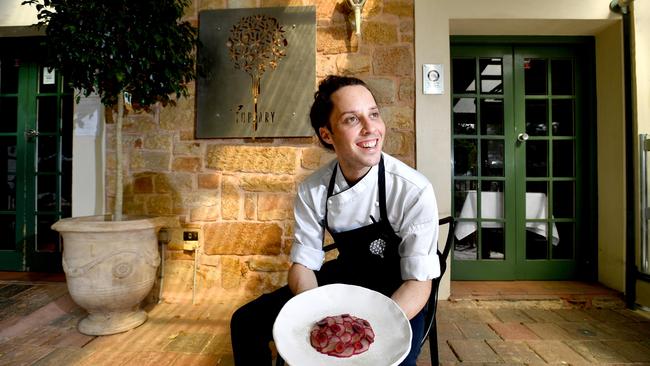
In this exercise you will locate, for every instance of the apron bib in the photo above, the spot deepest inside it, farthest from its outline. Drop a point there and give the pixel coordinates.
(368, 255)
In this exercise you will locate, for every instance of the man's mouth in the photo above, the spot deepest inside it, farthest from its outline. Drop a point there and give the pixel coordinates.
(369, 144)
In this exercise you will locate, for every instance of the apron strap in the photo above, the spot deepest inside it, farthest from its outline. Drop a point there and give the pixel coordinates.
(382, 199)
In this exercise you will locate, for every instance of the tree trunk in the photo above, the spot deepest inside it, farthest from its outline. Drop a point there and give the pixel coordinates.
(119, 184)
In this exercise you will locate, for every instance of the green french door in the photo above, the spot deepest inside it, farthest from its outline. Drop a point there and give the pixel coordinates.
(521, 157)
(35, 162)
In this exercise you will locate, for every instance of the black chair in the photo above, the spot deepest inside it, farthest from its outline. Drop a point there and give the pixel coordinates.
(430, 330)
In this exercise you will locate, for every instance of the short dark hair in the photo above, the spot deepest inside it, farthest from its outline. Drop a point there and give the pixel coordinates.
(322, 108)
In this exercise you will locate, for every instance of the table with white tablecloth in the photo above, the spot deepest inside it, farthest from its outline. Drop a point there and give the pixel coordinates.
(492, 208)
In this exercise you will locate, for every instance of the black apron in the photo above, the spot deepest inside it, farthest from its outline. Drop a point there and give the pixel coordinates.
(368, 256)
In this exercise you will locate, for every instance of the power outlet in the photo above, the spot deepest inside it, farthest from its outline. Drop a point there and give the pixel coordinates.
(190, 235)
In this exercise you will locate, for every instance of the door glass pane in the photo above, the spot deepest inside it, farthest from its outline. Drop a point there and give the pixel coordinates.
(536, 209)
(464, 75)
(8, 229)
(465, 204)
(491, 75)
(492, 117)
(535, 76)
(562, 112)
(465, 157)
(8, 173)
(561, 77)
(536, 158)
(536, 117)
(47, 240)
(47, 114)
(493, 158)
(563, 157)
(464, 116)
(8, 114)
(492, 240)
(8, 75)
(47, 154)
(563, 199)
(563, 249)
(46, 193)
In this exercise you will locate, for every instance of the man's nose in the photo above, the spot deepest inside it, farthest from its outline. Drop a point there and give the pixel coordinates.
(369, 126)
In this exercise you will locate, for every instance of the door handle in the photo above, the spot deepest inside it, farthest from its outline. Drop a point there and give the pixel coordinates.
(31, 133)
(522, 137)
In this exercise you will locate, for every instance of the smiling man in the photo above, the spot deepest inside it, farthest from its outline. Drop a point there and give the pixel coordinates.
(381, 213)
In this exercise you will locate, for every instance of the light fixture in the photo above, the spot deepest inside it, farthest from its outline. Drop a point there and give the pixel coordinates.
(357, 6)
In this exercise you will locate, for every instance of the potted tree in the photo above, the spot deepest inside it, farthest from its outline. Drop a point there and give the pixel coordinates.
(143, 52)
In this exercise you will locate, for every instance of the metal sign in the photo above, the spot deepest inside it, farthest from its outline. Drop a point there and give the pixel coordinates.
(256, 72)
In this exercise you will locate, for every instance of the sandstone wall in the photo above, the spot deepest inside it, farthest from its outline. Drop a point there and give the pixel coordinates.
(238, 194)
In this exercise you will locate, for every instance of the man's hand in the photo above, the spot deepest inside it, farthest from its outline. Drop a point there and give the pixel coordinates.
(412, 296)
(301, 278)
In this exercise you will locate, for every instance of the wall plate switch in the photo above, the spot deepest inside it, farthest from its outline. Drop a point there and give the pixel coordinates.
(433, 81)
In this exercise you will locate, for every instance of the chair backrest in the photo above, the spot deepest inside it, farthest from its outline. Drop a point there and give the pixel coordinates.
(430, 317)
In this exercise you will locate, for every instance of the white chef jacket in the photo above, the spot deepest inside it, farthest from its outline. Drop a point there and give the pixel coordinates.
(410, 204)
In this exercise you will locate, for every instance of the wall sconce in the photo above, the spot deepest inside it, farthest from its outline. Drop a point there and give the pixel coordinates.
(357, 6)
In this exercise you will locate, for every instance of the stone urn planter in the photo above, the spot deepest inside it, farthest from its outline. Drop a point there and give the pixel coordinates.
(110, 267)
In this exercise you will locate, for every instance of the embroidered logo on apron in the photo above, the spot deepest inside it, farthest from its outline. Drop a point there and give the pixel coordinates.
(377, 247)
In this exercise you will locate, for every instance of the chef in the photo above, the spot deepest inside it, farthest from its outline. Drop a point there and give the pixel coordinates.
(381, 213)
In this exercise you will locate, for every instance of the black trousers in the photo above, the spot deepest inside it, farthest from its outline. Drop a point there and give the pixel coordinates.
(251, 330)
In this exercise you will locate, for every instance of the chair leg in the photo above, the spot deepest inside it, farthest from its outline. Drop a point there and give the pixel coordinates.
(279, 361)
(433, 344)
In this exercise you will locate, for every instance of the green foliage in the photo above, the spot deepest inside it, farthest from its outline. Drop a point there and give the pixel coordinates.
(110, 46)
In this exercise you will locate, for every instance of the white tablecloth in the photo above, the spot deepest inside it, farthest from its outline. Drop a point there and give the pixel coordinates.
(492, 208)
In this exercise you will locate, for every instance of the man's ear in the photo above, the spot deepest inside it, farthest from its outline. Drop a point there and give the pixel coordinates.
(326, 135)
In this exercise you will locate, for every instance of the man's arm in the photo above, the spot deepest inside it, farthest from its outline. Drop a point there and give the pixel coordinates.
(412, 296)
(301, 278)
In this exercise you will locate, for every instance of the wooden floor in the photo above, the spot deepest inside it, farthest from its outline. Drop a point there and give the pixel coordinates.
(502, 322)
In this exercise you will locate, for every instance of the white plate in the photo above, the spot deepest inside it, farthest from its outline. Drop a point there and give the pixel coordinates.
(293, 325)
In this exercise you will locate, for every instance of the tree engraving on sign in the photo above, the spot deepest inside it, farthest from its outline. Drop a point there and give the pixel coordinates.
(256, 44)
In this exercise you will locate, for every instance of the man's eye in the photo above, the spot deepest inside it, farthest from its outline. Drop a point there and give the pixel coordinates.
(351, 120)
(374, 115)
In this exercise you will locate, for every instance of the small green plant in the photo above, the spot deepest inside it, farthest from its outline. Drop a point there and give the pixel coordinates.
(140, 48)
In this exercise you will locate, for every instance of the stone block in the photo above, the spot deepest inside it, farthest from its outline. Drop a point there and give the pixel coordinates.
(353, 63)
(516, 352)
(513, 331)
(242, 238)
(252, 159)
(250, 206)
(393, 61)
(399, 143)
(173, 182)
(212, 4)
(156, 161)
(188, 148)
(401, 8)
(204, 213)
(384, 90)
(209, 180)
(158, 141)
(336, 39)
(231, 198)
(379, 33)
(268, 264)
(159, 204)
(268, 183)
(186, 164)
(398, 117)
(143, 183)
(325, 65)
(179, 116)
(274, 207)
(195, 199)
(231, 272)
(330, 11)
(407, 90)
